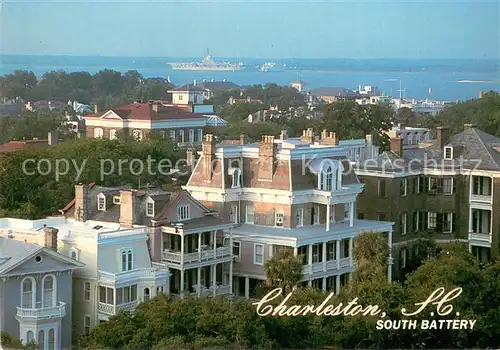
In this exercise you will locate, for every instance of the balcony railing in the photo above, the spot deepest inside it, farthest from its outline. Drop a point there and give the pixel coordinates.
(207, 292)
(111, 310)
(482, 237)
(148, 272)
(482, 198)
(208, 254)
(42, 312)
(330, 265)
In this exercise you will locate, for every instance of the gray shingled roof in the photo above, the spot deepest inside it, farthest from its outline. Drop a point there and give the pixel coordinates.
(189, 87)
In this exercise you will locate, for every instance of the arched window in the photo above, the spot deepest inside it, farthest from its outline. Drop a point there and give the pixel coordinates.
(112, 134)
(41, 340)
(30, 337)
(28, 293)
(73, 255)
(330, 176)
(410, 138)
(146, 294)
(98, 133)
(236, 177)
(52, 339)
(49, 298)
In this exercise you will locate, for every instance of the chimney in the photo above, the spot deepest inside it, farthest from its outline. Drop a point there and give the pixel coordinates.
(82, 200)
(369, 139)
(53, 138)
(208, 151)
(96, 109)
(284, 135)
(442, 136)
(397, 146)
(50, 237)
(156, 106)
(243, 139)
(128, 208)
(469, 126)
(329, 138)
(190, 158)
(267, 156)
(307, 135)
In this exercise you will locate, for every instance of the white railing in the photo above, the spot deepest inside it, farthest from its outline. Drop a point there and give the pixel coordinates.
(483, 237)
(482, 198)
(207, 292)
(206, 254)
(42, 313)
(111, 310)
(345, 262)
(330, 265)
(155, 272)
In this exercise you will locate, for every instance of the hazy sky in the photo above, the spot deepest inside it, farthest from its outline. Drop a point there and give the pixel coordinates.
(277, 29)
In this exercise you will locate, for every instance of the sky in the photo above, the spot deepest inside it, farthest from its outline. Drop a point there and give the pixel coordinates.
(248, 29)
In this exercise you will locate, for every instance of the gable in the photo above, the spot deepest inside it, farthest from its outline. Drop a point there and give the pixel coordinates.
(169, 212)
(47, 262)
(111, 115)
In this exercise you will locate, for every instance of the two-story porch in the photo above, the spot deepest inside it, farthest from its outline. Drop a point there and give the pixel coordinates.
(199, 255)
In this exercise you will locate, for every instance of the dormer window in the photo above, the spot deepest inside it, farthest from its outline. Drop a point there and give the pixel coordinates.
(101, 202)
(116, 200)
(150, 209)
(448, 153)
(236, 177)
(183, 212)
(330, 176)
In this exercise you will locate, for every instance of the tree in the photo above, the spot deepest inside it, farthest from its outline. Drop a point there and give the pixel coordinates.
(18, 84)
(284, 270)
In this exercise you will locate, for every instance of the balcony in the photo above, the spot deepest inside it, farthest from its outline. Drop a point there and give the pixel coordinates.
(480, 237)
(112, 310)
(343, 195)
(479, 198)
(208, 292)
(195, 257)
(331, 265)
(41, 313)
(157, 273)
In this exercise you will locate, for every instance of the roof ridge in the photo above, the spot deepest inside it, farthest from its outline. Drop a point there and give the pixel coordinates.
(485, 147)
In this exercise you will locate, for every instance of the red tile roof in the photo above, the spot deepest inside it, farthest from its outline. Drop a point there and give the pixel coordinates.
(144, 111)
(13, 146)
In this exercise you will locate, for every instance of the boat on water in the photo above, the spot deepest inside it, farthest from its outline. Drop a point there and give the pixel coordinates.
(208, 64)
(268, 66)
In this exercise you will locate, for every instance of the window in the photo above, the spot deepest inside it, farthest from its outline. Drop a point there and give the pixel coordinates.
(49, 297)
(317, 252)
(52, 339)
(236, 177)
(30, 337)
(41, 340)
(101, 202)
(137, 134)
(414, 185)
(423, 184)
(330, 250)
(403, 257)
(150, 209)
(181, 136)
(315, 214)
(422, 220)
(112, 134)
(126, 255)
(258, 254)
(249, 214)
(481, 186)
(98, 133)
(329, 178)
(237, 250)
(28, 293)
(200, 135)
(410, 138)
(403, 223)
(448, 185)
(86, 291)
(381, 188)
(432, 220)
(86, 324)
(106, 295)
(447, 222)
(191, 135)
(75, 254)
(415, 221)
(183, 212)
(146, 294)
(403, 187)
(116, 200)
(441, 185)
(233, 215)
(299, 217)
(279, 218)
(448, 153)
(172, 135)
(126, 295)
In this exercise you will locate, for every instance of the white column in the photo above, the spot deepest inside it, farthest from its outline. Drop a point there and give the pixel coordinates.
(199, 246)
(182, 283)
(310, 283)
(270, 251)
(231, 277)
(351, 241)
(199, 282)
(295, 251)
(215, 243)
(310, 257)
(324, 284)
(328, 217)
(214, 278)
(337, 252)
(351, 214)
(323, 258)
(247, 287)
(182, 249)
(470, 219)
(337, 284)
(389, 259)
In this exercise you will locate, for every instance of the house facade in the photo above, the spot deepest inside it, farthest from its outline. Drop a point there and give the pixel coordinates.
(447, 190)
(36, 300)
(285, 194)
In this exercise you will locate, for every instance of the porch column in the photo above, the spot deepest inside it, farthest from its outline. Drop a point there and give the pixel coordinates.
(351, 214)
(199, 246)
(323, 284)
(310, 257)
(182, 249)
(323, 258)
(247, 287)
(337, 252)
(181, 288)
(270, 251)
(214, 279)
(215, 243)
(337, 284)
(328, 217)
(295, 251)
(231, 277)
(389, 259)
(199, 282)
(351, 244)
(310, 283)
(470, 219)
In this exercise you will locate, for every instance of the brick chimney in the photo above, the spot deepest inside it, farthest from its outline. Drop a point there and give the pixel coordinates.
(284, 135)
(442, 136)
(50, 237)
(82, 202)
(208, 152)
(96, 109)
(156, 107)
(267, 156)
(469, 126)
(128, 214)
(190, 158)
(397, 146)
(243, 139)
(53, 138)
(329, 138)
(307, 135)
